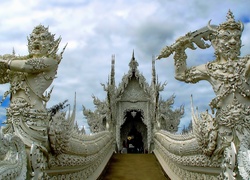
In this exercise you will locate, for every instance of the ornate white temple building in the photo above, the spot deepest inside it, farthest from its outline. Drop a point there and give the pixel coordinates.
(134, 109)
(41, 143)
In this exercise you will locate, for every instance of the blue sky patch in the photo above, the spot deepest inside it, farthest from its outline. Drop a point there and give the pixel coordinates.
(6, 102)
(245, 19)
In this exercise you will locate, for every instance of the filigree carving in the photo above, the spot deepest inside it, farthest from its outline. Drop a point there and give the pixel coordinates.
(167, 118)
(13, 164)
(99, 119)
(93, 120)
(38, 161)
(29, 124)
(206, 131)
(229, 163)
(228, 74)
(244, 157)
(58, 149)
(40, 66)
(180, 151)
(60, 132)
(235, 115)
(133, 73)
(52, 140)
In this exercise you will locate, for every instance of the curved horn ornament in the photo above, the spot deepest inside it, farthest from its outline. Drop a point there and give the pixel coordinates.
(210, 27)
(241, 26)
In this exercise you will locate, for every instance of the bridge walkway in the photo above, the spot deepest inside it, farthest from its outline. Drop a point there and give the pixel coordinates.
(133, 167)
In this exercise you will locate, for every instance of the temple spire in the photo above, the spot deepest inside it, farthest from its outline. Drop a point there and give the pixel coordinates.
(112, 76)
(133, 63)
(153, 82)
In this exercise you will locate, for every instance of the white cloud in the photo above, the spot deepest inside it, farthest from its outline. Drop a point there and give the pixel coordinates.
(2, 111)
(2, 115)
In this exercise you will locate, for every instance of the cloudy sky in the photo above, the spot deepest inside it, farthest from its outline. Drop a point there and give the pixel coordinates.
(96, 29)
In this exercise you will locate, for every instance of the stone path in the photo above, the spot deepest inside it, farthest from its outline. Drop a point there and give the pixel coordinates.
(133, 167)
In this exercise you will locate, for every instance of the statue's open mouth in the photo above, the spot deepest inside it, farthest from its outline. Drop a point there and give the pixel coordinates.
(36, 47)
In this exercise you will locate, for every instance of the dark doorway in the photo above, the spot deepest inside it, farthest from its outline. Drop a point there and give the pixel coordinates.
(134, 132)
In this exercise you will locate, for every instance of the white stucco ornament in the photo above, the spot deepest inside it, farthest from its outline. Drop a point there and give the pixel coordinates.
(49, 141)
(45, 143)
(229, 76)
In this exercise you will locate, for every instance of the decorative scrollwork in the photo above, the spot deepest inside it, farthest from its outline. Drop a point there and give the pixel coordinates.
(244, 157)
(13, 164)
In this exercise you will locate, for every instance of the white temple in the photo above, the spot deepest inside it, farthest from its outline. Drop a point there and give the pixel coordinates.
(134, 108)
(42, 143)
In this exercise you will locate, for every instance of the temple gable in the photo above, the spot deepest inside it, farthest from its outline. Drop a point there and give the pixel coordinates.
(133, 108)
(134, 92)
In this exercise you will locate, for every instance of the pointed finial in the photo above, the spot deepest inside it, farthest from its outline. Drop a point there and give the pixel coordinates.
(230, 16)
(112, 75)
(153, 59)
(13, 51)
(133, 63)
(133, 55)
(229, 24)
(113, 59)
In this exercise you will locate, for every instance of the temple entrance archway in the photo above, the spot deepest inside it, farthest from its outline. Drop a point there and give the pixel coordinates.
(133, 131)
